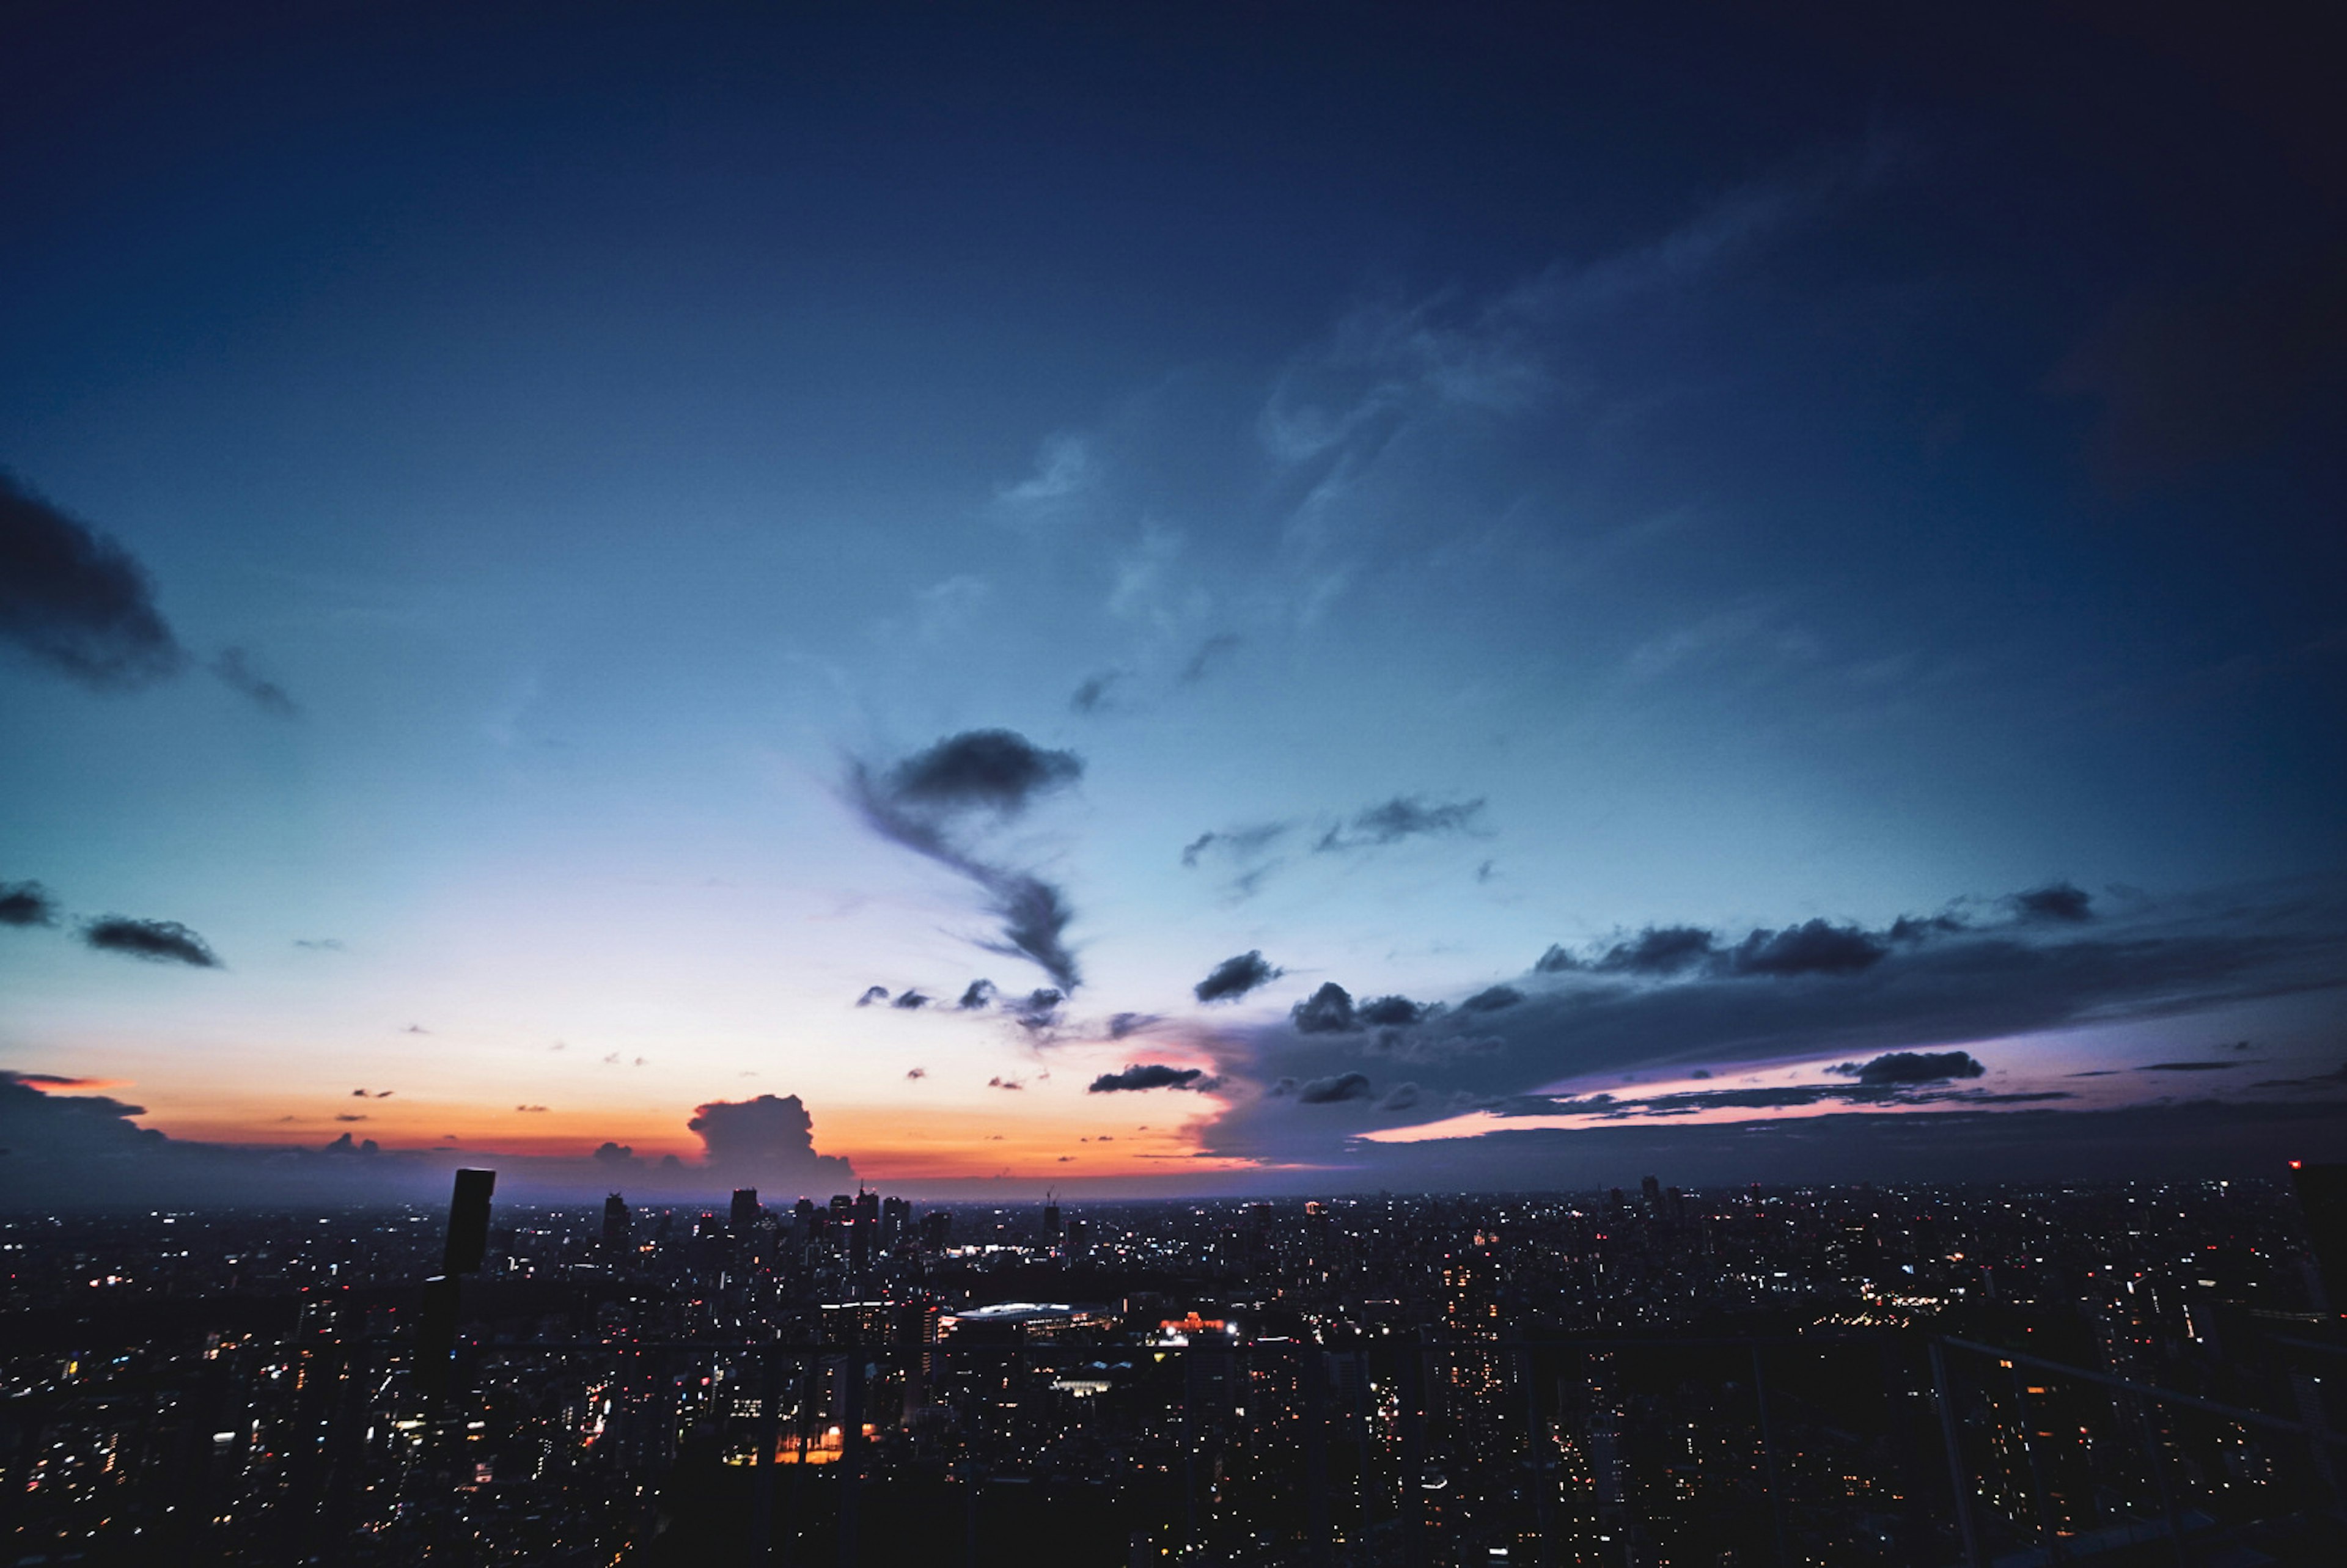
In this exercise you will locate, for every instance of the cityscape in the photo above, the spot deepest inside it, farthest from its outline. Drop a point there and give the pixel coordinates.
(2115, 1373)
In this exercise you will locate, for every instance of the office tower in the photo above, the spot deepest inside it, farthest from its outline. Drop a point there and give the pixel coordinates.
(1650, 1191)
(868, 1208)
(615, 1224)
(468, 1221)
(936, 1229)
(1050, 1222)
(2322, 1192)
(745, 1212)
(896, 1219)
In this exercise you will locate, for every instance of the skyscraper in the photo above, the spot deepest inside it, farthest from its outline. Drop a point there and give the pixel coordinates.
(2322, 1192)
(745, 1212)
(616, 1235)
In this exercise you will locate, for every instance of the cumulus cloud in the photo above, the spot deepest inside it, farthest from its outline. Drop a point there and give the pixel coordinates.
(27, 904)
(937, 802)
(1235, 977)
(157, 941)
(1657, 951)
(1816, 948)
(872, 994)
(1404, 816)
(77, 603)
(910, 1001)
(976, 996)
(765, 1141)
(610, 1154)
(1328, 1011)
(1151, 1075)
(916, 1073)
(1395, 1013)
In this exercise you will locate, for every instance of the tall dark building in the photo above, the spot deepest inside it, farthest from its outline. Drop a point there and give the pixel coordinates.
(2322, 1198)
(1051, 1222)
(936, 1229)
(1650, 1189)
(896, 1218)
(745, 1212)
(615, 1224)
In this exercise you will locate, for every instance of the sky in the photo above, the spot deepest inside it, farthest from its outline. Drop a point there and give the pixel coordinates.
(1294, 597)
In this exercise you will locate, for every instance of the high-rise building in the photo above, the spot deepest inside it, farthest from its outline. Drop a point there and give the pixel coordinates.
(745, 1212)
(936, 1229)
(616, 1235)
(1650, 1189)
(896, 1219)
(2322, 1192)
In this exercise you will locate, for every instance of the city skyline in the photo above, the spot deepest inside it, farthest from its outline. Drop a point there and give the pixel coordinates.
(1166, 603)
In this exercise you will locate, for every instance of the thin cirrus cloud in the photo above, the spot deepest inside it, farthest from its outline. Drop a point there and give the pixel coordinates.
(940, 804)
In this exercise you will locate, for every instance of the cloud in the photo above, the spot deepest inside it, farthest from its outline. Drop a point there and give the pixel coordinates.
(1211, 652)
(1328, 1011)
(1127, 1023)
(2190, 1066)
(319, 944)
(76, 601)
(530, 1110)
(419, 1029)
(1001, 1082)
(372, 1094)
(1066, 471)
(609, 1153)
(976, 996)
(1816, 948)
(932, 802)
(1235, 843)
(872, 994)
(1673, 998)
(235, 670)
(1912, 1067)
(765, 1141)
(1404, 816)
(1332, 1089)
(917, 1073)
(1037, 1009)
(1395, 1013)
(1400, 1097)
(355, 1116)
(157, 941)
(1235, 978)
(2056, 901)
(1657, 951)
(27, 904)
(1093, 695)
(911, 1001)
(1493, 999)
(1152, 1075)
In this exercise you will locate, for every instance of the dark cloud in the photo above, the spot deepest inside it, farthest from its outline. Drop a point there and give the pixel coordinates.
(530, 1110)
(1000, 1083)
(872, 994)
(976, 996)
(765, 1141)
(917, 1073)
(1816, 948)
(27, 904)
(1093, 695)
(1492, 1000)
(911, 1001)
(1234, 977)
(1404, 816)
(76, 601)
(999, 770)
(1555, 961)
(1328, 1011)
(1037, 1009)
(355, 1116)
(1917, 928)
(929, 803)
(1912, 1067)
(609, 1153)
(1400, 1097)
(1332, 1089)
(1150, 1075)
(1124, 1023)
(372, 1093)
(157, 941)
(234, 668)
(2190, 1066)
(1210, 653)
(2056, 901)
(1394, 1012)
(1658, 951)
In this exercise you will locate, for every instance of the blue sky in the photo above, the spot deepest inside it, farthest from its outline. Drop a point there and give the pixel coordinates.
(1518, 482)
